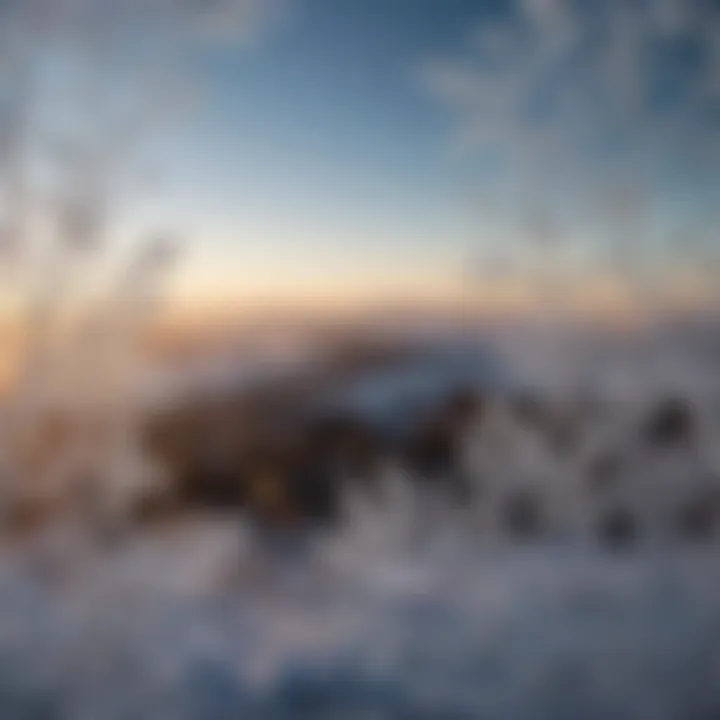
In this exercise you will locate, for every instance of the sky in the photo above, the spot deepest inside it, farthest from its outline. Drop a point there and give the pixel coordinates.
(335, 152)
(318, 163)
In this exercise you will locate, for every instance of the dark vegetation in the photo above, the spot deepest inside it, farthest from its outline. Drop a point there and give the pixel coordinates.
(671, 425)
(618, 528)
(697, 517)
(523, 515)
(284, 449)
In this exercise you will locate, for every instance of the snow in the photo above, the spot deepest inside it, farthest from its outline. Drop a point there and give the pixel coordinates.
(455, 631)
(412, 609)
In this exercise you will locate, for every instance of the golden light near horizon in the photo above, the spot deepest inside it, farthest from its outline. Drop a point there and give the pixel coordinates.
(296, 194)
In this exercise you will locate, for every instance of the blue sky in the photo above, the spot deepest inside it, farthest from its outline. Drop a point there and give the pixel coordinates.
(317, 156)
(378, 147)
(383, 149)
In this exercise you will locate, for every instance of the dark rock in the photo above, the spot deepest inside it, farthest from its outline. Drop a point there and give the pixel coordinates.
(697, 518)
(522, 514)
(618, 528)
(671, 424)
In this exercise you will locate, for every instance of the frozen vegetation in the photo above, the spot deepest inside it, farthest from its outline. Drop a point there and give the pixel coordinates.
(412, 608)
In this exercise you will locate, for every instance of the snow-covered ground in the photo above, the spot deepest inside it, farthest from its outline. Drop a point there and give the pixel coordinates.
(412, 609)
(189, 627)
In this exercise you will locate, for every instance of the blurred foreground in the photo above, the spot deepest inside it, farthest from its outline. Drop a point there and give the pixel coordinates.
(437, 520)
(426, 527)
